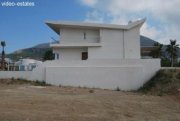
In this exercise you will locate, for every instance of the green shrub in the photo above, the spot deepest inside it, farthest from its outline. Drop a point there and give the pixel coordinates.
(24, 81)
(91, 91)
(118, 89)
(165, 63)
(41, 83)
(178, 76)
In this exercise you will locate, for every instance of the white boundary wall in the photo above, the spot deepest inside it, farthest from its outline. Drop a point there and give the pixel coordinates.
(16, 74)
(98, 77)
(37, 74)
(127, 74)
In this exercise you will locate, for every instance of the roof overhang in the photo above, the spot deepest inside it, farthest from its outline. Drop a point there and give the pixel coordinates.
(75, 45)
(56, 25)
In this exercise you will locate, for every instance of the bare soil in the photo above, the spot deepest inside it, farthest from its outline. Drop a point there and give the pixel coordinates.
(21, 102)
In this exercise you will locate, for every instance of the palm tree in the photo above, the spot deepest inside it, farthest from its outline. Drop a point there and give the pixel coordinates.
(3, 44)
(172, 50)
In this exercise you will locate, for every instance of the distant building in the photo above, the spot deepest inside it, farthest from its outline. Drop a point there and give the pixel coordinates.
(146, 51)
(27, 64)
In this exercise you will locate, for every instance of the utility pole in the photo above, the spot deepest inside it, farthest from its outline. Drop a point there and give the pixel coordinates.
(3, 44)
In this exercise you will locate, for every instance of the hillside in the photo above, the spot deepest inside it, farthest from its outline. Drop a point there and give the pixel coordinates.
(145, 41)
(165, 82)
(35, 52)
(38, 51)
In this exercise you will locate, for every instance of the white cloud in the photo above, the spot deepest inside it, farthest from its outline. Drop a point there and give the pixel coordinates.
(94, 16)
(170, 32)
(119, 20)
(89, 2)
(149, 31)
(163, 16)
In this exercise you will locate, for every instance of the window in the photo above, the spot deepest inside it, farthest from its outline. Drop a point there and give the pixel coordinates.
(56, 56)
(84, 35)
(84, 56)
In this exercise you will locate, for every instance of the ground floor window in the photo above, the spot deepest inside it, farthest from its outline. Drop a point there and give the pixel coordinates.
(56, 56)
(84, 56)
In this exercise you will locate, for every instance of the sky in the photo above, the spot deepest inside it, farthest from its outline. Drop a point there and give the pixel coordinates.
(23, 26)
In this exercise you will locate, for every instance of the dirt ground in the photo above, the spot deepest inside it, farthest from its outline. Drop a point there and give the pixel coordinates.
(36, 103)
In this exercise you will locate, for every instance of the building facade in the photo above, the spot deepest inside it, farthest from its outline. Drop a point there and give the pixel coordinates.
(86, 41)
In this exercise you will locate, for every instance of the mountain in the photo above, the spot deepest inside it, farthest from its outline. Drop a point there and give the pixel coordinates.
(145, 41)
(42, 46)
(38, 51)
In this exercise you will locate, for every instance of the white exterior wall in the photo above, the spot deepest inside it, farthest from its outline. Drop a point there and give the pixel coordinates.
(112, 45)
(117, 44)
(127, 74)
(73, 35)
(132, 43)
(69, 53)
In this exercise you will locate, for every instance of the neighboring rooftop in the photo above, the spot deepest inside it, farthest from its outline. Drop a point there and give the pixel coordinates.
(56, 25)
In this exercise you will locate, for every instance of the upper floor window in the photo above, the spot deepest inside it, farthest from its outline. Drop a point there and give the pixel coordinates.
(84, 35)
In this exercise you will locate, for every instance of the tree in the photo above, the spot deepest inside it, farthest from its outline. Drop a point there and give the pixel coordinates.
(48, 55)
(157, 52)
(3, 44)
(172, 50)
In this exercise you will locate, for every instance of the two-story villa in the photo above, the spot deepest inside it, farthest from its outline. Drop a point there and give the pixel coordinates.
(98, 55)
(82, 41)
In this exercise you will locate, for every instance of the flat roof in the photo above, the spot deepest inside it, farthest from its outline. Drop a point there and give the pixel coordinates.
(56, 25)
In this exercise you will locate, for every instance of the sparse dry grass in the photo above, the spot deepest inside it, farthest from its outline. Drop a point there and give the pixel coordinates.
(165, 82)
(24, 102)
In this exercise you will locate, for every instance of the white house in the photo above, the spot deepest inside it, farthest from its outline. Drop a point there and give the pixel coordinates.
(87, 41)
(99, 55)
(27, 64)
